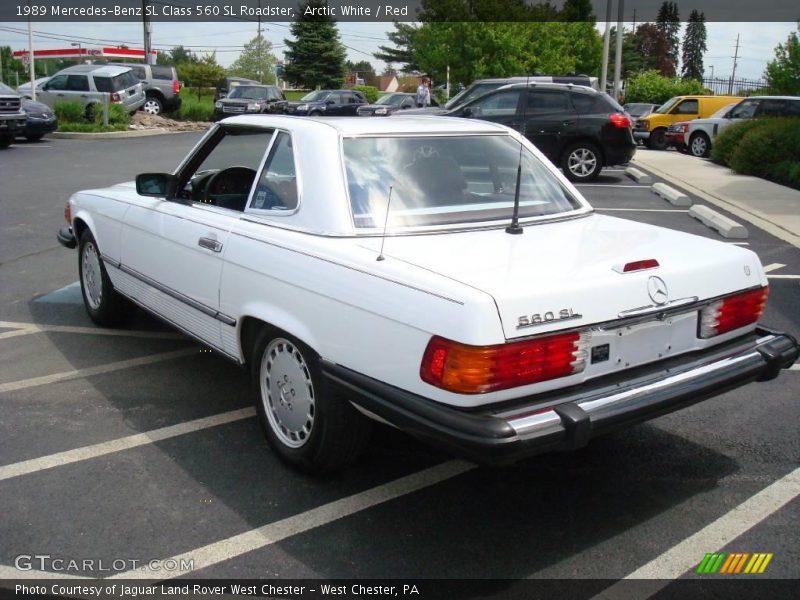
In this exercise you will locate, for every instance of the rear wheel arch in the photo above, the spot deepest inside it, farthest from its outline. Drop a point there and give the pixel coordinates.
(252, 327)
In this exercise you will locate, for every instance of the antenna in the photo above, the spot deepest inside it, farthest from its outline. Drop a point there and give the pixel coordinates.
(385, 223)
(514, 228)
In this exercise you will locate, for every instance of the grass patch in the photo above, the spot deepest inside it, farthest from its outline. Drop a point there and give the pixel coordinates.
(294, 95)
(194, 108)
(90, 127)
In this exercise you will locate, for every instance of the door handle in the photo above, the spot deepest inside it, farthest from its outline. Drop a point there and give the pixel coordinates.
(209, 244)
(568, 123)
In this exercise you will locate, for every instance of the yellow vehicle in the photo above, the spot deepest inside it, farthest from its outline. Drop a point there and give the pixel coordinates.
(652, 129)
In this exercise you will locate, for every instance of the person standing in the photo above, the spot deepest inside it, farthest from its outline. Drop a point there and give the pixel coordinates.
(423, 94)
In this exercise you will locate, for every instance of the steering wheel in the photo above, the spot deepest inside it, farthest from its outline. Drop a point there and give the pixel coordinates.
(222, 175)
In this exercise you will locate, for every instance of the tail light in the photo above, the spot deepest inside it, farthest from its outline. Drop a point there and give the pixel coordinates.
(68, 213)
(732, 313)
(478, 369)
(115, 97)
(619, 120)
(176, 86)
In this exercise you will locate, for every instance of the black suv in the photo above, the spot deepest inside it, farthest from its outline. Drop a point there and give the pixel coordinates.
(334, 103)
(249, 99)
(578, 128)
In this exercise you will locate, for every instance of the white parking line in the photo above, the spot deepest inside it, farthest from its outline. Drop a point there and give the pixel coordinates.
(773, 267)
(738, 243)
(795, 367)
(632, 186)
(272, 533)
(98, 370)
(783, 276)
(125, 443)
(687, 554)
(31, 328)
(658, 210)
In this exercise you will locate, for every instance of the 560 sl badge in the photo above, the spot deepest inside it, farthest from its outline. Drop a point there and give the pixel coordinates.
(548, 317)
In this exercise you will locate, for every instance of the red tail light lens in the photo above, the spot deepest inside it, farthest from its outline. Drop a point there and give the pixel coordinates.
(732, 313)
(176, 86)
(619, 120)
(115, 97)
(478, 369)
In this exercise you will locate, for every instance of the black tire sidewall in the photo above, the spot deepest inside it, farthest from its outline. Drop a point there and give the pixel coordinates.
(565, 161)
(110, 310)
(658, 139)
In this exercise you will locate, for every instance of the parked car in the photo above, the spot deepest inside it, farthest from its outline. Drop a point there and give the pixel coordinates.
(229, 83)
(639, 109)
(24, 89)
(276, 244)
(578, 128)
(332, 103)
(652, 129)
(12, 118)
(161, 86)
(39, 120)
(88, 84)
(698, 135)
(677, 132)
(388, 104)
(250, 99)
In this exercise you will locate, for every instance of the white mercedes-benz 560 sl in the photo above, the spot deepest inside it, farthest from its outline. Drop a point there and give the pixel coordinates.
(436, 274)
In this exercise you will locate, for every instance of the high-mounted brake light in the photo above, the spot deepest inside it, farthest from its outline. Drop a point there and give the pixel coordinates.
(619, 120)
(636, 265)
(468, 369)
(732, 313)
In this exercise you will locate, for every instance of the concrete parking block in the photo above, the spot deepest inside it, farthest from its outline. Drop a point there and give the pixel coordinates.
(638, 176)
(671, 195)
(726, 227)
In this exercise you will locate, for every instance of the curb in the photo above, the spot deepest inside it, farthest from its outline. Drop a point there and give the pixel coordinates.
(110, 135)
(638, 176)
(726, 227)
(671, 195)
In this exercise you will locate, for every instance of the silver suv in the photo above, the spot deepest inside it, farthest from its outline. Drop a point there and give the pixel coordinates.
(87, 84)
(161, 86)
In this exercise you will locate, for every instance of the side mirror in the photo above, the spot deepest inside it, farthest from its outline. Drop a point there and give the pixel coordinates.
(161, 185)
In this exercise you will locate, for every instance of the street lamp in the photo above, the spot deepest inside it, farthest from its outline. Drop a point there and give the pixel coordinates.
(80, 51)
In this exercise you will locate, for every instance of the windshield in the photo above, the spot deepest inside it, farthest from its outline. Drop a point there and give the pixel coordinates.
(317, 96)
(720, 114)
(391, 99)
(471, 92)
(667, 106)
(248, 92)
(447, 180)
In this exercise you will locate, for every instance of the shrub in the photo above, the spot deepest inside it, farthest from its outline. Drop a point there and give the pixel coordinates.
(69, 112)
(770, 149)
(117, 115)
(654, 88)
(725, 143)
(370, 91)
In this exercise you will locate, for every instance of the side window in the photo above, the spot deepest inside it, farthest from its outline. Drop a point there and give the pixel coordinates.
(792, 108)
(59, 82)
(687, 107)
(335, 98)
(744, 110)
(139, 72)
(771, 108)
(277, 184)
(103, 84)
(160, 72)
(542, 102)
(583, 103)
(499, 104)
(77, 83)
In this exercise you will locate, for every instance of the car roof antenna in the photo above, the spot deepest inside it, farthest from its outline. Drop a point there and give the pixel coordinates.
(385, 223)
(514, 228)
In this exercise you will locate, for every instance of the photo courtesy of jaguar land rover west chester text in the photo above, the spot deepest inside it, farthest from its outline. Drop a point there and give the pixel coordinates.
(437, 274)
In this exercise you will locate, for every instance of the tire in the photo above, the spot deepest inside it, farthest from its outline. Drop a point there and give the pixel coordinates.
(5, 141)
(105, 306)
(152, 105)
(658, 139)
(34, 137)
(315, 113)
(582, 161)
(305, 424)
(699, 145)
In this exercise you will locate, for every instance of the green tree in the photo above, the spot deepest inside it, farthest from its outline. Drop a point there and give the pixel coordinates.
(652, 87)
(179, 55)
(668, 22)
(694, 46)
(11, 66)
(403, 51)
(783, 72)
(256, 61)
(577, 10)
(316, 56)
(205, 73)
(653, 45)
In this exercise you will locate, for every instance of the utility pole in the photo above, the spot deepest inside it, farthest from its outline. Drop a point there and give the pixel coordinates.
(618, 55)
(606, 42)
(735, 58)
(148, 33)
(260, 56)
(634, 21)
(30, 56)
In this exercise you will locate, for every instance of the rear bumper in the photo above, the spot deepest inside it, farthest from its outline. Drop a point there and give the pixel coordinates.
(639, 134)
(568, 419)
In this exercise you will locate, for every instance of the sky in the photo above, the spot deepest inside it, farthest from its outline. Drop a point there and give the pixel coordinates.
(756, 46)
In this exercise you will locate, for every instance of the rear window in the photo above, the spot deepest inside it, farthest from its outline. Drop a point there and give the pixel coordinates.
(162, 72)
(115, 84)
(447, 180)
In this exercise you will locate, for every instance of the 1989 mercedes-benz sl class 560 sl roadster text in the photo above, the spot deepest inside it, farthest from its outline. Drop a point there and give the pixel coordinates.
(436, 274)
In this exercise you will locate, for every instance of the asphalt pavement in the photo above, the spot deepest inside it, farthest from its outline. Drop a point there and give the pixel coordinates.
(79, 480)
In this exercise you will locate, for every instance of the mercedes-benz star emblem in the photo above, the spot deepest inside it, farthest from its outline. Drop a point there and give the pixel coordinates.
(657, 290)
